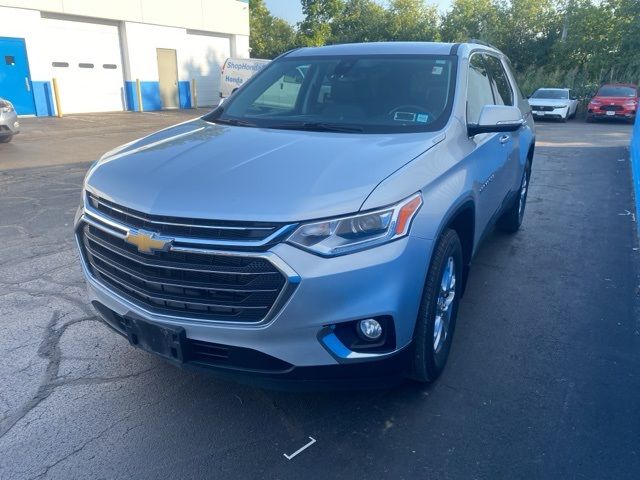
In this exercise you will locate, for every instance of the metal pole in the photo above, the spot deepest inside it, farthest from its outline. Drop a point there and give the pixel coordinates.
(194, 94)
(56, 97)
(139, 94)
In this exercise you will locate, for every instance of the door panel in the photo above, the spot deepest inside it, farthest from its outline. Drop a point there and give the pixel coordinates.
(15, 80)
(490, 150)
(168, 77)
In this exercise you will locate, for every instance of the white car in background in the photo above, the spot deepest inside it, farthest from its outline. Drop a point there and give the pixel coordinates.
(558, 103)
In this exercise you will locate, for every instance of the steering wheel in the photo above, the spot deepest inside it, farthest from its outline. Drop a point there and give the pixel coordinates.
(412, 109)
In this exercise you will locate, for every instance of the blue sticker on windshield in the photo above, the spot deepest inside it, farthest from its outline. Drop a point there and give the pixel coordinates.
(422, 118)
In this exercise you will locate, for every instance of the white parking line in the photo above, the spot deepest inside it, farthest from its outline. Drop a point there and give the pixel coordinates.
(304, 447)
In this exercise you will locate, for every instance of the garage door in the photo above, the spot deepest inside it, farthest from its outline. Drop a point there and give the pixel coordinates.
(85, 58)
(202, 58)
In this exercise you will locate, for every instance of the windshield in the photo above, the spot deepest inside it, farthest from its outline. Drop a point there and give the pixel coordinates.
(551, 94)
(609, 91)
(359, 94)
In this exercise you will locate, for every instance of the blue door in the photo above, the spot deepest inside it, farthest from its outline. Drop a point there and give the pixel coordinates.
(15, 80)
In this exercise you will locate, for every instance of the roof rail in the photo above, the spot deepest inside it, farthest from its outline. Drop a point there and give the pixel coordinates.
(482, 42)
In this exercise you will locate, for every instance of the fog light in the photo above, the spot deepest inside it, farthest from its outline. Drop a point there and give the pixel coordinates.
(370, 329)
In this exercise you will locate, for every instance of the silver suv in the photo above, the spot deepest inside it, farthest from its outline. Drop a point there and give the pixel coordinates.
(320, 224)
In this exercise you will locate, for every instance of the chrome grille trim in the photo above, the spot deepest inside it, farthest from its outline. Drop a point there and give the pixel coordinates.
(195, 240)
(120, 231)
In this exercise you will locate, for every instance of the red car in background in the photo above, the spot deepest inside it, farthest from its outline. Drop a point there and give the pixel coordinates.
(614, 100)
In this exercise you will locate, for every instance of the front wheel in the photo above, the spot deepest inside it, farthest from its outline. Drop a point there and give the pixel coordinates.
(6, 139)
(438, 310)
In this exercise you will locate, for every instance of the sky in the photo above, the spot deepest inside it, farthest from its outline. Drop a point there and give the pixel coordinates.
(291, 10)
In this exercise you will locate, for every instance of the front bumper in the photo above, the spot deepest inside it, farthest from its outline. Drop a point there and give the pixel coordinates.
(9, 124)
(626, 113)
(556, 113)
(384, 281)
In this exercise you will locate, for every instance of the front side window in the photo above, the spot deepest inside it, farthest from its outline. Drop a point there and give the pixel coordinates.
(355, 93)
(501, 86)
(479, 91)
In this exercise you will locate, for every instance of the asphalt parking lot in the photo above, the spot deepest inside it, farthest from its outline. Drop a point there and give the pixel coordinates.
(543, 379)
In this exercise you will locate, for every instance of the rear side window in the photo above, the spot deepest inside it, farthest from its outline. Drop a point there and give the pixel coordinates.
(500, 82)
(479, 91)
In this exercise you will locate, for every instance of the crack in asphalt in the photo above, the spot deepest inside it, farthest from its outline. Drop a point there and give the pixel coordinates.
(49, 350)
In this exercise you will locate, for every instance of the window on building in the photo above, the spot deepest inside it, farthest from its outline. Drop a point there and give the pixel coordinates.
(60, 64)
(10, 60)
(110, 66)
(85, 65)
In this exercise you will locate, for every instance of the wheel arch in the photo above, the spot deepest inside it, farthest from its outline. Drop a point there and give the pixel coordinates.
(462, 219)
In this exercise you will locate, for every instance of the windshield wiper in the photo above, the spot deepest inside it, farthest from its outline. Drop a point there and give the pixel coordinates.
(234, 122)
(318, 127)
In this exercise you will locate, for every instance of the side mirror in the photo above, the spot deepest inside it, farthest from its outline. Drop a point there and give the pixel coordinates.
(497, 118)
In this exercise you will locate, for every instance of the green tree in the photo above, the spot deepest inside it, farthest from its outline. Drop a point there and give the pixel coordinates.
(411, 20)
(315, 29)
(270, 36)
(471, 19)
(359, 21)
(528, 30)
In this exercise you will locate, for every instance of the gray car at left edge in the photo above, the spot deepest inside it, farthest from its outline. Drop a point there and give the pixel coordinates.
(9, 125)
(242, 177)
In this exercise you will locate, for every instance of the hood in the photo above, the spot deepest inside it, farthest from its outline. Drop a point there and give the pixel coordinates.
(615, 100)
(202, 170)
(549, 102)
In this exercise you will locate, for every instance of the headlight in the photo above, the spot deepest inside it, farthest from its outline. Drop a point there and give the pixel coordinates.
(339, 236)
(595, 102)
(632, 103)
(6, 106)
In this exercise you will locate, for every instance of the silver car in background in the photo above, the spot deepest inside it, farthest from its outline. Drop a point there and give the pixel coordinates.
(555, 103)
(9, 125)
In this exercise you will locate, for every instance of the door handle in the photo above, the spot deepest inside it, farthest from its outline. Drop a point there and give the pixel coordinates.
(27, 84)
(504, 139)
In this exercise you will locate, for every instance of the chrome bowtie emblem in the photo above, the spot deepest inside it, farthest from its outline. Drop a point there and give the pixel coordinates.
(148, 242)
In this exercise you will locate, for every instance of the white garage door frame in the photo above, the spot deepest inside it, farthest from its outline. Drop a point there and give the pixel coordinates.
(86, 60)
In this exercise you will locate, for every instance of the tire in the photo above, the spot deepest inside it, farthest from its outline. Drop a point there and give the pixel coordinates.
(511, 220)
(429, 351)
(6, 139)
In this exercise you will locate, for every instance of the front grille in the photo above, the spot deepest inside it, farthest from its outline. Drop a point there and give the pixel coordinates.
(611, 108)
(542, 109)
(185, 227)
(208, 286)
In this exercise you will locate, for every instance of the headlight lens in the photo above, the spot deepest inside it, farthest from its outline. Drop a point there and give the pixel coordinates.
(6, 106)
(344, 235)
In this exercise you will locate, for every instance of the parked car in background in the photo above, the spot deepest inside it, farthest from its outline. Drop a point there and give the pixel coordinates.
(615, 100)
(9, 124)
(325, 234)
(558, 103)
(236, 71)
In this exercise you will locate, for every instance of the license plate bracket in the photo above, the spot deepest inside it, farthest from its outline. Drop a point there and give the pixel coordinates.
(164, 340)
